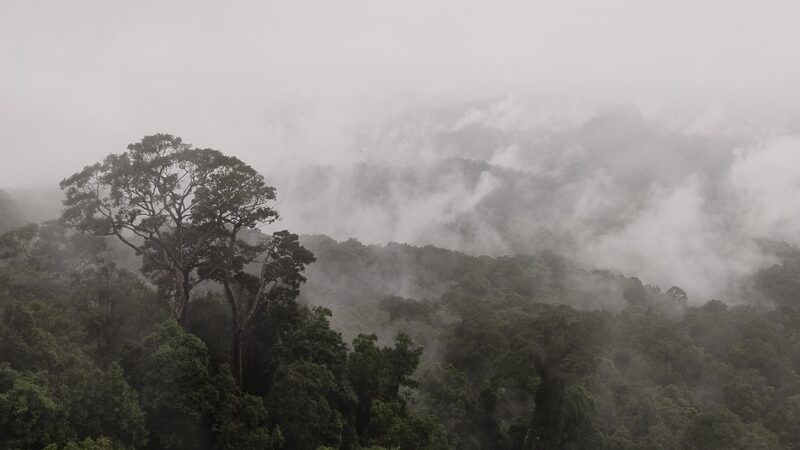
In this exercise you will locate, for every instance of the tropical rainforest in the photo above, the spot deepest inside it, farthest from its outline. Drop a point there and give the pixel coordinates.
(399, 225)
(164, 308)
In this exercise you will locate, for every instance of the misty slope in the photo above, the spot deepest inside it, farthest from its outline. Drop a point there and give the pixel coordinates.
(353, 274)
(515, 350)
(402, 287)
(21, 206)
(670, 199)
(636, 367)
(502, 350)
(507, 176)
(9, 212)
(528, 134)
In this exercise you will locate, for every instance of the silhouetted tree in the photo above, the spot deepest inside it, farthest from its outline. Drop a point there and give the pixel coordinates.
(169, 202)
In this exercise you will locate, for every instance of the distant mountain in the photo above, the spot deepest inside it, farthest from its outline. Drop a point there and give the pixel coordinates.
(513, 175)
(369, 287)
(30, 205)
(498, 184)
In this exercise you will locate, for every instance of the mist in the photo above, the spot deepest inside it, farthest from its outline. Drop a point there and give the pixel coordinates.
(618, 187)
(459, 225)
(354, 108)
(274, 82)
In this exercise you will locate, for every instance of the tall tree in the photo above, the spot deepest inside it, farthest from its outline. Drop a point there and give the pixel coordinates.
(169, 202)
(282, 260)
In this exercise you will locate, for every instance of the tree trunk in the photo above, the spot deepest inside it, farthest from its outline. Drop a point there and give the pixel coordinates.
(237, 328)
(237, 356)
(548, 425)
(181, 301)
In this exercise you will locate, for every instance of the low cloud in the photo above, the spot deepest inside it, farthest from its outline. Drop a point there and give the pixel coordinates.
(672, 203)
(765, 180)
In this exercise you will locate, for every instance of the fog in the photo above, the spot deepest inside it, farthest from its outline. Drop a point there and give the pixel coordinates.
(655, 139)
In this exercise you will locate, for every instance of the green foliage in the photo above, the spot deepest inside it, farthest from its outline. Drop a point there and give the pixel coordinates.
(718, 428)
(54, 389)
(306, 363)
(180, 391)
(382, 415)
(784, 421)
(393, 427)
(522, 352)
(518, 371)
(301, 393)
(378, 373)
(29, 414)
(101, 443)
(174, 382)
(117, 413)
(239, 420)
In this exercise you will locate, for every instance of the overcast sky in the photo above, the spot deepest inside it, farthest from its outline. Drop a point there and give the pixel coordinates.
(81, 79)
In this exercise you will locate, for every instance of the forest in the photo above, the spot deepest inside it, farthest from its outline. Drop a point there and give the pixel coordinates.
(165, 309)
(408, 225)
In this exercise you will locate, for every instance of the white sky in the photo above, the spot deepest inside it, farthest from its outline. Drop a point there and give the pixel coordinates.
(81, 79)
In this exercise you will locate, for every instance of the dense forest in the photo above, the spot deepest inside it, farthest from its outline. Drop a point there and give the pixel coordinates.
(167, 313)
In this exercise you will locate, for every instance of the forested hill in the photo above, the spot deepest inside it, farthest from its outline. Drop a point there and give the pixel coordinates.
(535, 352)
(9, 212)
(383, 225)
(367, 285)
(487, 178)
(617, 187)
(351, 277)
(390, 346)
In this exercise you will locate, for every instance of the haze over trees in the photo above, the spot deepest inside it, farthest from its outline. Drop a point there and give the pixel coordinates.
(78, 332)
(157, 313)
(514, 225)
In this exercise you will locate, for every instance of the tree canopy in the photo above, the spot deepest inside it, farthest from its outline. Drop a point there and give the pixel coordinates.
(349, 346)
(171, 203)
